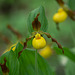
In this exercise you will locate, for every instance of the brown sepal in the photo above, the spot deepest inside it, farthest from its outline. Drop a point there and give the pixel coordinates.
(4, 67)
(14, 31)
(60, 2)
(36, 24)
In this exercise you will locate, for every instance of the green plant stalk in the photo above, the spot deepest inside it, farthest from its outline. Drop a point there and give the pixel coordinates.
(36, 64)
(73, 37)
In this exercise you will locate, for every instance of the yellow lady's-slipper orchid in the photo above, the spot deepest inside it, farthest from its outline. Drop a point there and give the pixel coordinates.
(46, 52)
(38, 42)
(60, 16)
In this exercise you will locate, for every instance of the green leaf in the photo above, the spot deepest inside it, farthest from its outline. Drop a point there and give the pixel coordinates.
(42, 19)
(67, 53)
(18, 48)
(25, 64)
(70, 68)
(71, 4)
(12, 63)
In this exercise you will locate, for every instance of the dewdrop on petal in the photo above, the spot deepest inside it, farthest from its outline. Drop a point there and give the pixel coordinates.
(38, 42)
(46, 52)
(60, 16)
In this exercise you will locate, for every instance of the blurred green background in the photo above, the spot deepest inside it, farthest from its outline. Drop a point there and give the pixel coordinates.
(15, 13)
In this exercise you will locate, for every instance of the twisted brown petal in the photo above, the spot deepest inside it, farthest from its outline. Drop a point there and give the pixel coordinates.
(25, 45)
(54, 40)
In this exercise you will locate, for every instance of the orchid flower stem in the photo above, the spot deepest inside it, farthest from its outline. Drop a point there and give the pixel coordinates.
(36, 64)
(73, 36)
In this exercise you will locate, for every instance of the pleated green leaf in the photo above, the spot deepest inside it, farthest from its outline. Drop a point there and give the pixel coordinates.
(25, 64)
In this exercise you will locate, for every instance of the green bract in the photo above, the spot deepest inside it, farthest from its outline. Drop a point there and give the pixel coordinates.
(42, 19)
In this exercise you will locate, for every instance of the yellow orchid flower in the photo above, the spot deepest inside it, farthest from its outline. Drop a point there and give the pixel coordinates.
(38, 42)
(60, 16)
(46, 52)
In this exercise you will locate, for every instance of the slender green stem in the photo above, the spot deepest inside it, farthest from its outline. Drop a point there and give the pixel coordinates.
(72, 34)
(36, 64)
(73, 37)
